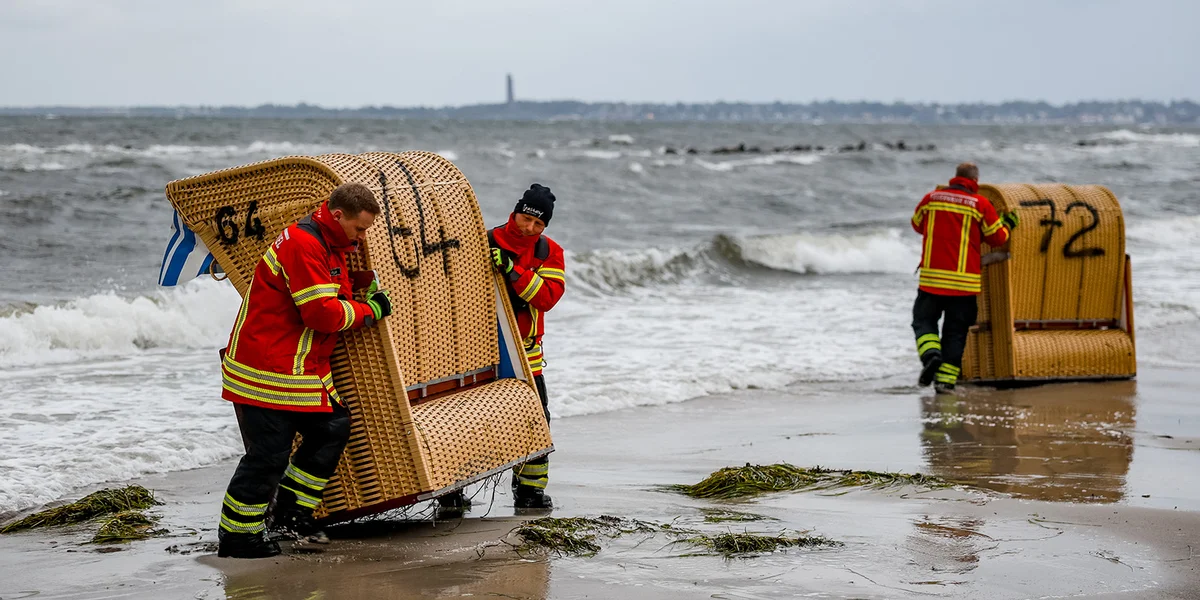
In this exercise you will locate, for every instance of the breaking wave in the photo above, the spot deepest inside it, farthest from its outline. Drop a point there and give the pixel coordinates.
(760, 161)
(1185, 140)
(193, 316)
(879, 251)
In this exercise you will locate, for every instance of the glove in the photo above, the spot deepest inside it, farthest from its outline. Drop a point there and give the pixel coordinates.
(379, 301)
(501, 261)
(1011, 219)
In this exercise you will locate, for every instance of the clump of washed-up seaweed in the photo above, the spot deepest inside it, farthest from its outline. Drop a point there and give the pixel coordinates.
(731, 545)
(720, 515)
(104, 502)
(127, 526)
(581, 536)
(578, 535)
(750, 480)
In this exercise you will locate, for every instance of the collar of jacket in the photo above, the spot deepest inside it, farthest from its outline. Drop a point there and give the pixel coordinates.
(510, 237)
(335, 236)
(972, 186)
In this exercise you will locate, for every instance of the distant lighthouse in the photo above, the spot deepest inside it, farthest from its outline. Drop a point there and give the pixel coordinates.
(510, 88)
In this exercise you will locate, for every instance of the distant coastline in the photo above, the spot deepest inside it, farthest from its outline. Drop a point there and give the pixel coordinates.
(1132, 112)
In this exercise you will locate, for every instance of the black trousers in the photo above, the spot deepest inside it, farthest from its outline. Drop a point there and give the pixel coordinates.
(535, 474)
(959, 313)
(268, 435)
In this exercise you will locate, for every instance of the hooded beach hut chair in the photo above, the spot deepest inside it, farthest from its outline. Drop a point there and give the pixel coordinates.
(1057, 303)
(439, 393)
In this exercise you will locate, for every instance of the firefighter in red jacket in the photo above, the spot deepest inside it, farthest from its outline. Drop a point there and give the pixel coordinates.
(276, 370)
(952, 220)
(533, 266)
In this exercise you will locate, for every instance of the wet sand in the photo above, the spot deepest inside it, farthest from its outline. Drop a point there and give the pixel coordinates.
(1080, 490)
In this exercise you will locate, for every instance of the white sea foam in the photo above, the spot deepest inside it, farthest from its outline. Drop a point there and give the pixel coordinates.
(52, 165)
(196, 315)
(447, 154)
(1185, 140)
(601, 154)
(886, 251)
(621, 139)
(760, 161)
(637, 168)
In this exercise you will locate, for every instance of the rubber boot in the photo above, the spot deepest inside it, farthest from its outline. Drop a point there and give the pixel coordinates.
(932, 361)
(531, 497)
(245, 545)
(297, 523)
(453, 504)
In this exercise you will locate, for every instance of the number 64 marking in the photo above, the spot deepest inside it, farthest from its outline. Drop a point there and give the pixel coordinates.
(1052, 222)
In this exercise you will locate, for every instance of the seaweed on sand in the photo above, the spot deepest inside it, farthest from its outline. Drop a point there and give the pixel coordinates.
(731, 544)
(578, 535)
(127, 526)
(720, 515)
(750, 480)
(103, 502)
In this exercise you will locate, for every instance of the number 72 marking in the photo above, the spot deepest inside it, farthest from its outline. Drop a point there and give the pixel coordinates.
(1052, 221)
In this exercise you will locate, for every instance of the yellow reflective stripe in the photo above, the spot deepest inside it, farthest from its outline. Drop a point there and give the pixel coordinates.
(321, 290)
(962, 287)
(917, 217)
(534, 470)
(249, 510)
(303, 382)
(273, 396)
(349, 310)
(272, 260)
(241, 320)
(533, 325)
(531, 290)
(303, 499)
(534, 483)
(929, 241)
(958, 280)
(949, 368)
(239, 527)
(549, 273)
(929, 341)
(963, 243)
(311, 481)
(959, 275)
(993, 228)
(954, 208)
(303, 347)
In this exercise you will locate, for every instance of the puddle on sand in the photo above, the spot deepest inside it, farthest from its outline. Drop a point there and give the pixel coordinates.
(1068, 442)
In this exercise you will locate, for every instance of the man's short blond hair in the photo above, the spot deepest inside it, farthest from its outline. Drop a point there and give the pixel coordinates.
(968, 170)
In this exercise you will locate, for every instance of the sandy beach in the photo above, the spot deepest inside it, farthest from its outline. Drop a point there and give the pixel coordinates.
(1078, 491)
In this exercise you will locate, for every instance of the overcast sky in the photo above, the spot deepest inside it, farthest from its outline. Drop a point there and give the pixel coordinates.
(346, 53)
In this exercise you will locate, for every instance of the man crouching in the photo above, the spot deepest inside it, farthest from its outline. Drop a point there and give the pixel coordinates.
(276, 371)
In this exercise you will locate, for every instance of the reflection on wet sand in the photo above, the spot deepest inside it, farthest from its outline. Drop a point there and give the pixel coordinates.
(394, 559)
(1062, 442)
(526, 580)
(945, 546)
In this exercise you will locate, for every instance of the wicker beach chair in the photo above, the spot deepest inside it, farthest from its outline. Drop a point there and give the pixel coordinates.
(440, 393)
(1057, 303)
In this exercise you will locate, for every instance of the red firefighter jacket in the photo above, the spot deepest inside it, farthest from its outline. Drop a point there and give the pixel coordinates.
(953, 220)
(536, 283)
(300, 298)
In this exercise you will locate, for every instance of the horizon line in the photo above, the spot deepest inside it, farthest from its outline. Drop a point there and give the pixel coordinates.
(596, 102)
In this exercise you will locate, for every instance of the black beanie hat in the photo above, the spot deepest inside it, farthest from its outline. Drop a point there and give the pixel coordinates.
(538, 201)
